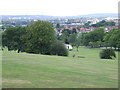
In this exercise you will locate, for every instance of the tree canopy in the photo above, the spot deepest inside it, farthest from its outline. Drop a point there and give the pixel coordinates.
(11, 38)
(103, 23)
(112, 39)
(94, 37)
(39, 37)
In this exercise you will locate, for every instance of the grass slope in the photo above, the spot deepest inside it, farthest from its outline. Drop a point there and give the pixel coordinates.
(21, 70)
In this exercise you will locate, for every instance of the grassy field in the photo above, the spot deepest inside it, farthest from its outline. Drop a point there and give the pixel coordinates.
(21, 70)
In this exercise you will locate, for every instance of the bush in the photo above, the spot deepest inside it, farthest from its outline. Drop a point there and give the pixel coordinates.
(107, 54)
(58, 48)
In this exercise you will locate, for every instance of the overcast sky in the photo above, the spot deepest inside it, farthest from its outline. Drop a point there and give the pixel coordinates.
(57, 7)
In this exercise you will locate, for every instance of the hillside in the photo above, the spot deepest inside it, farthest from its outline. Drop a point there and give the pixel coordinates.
(21, 70)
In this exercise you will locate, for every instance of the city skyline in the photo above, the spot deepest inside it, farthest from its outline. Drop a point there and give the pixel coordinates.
(58, 8)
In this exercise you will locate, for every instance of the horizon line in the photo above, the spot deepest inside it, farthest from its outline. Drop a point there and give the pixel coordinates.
(56, 15)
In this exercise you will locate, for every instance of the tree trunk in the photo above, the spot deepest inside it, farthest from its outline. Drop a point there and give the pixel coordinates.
(77, 47)
(18, 50)
(118, 49)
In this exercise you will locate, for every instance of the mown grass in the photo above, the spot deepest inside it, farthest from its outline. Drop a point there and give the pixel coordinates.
(21, 70)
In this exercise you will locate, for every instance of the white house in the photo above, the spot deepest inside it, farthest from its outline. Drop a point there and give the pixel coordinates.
(69, 47)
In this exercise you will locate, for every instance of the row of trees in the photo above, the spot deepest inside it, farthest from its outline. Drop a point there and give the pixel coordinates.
(38, 38)
(112, 39)
(6, 24)
(100, 38)
(96, 38)
(103, 23)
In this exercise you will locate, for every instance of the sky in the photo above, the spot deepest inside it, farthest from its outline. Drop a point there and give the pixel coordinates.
(57, 7)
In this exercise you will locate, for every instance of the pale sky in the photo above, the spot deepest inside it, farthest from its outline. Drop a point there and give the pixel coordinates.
(57, 7)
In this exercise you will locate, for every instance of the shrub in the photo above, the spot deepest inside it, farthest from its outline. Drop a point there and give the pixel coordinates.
(107, 54)
(58, 48)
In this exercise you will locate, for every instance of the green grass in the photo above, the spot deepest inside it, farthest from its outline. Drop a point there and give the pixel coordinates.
(21, 70)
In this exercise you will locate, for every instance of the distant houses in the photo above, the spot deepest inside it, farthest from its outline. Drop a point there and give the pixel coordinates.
(82, 29)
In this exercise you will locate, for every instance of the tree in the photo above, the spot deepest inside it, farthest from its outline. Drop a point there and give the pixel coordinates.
(72, 39)
(93, 37)
(112, 39)
(65, 36)
(11, 38)
(58, 48)
(106, 39)
(0, 38)
(79, 39)
(87, 25)
(57, 25)
(39, 37)
(74, 31)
